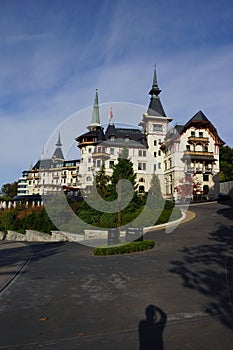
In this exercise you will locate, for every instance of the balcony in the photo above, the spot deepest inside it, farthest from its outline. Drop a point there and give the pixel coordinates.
(198, 139)
(198, 155)
(100, 152)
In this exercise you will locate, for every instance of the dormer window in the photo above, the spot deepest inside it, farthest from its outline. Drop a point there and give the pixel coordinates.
(193, 133)
(200, 134)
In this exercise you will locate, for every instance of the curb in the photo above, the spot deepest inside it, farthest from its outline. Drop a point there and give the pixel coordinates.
(186, 217)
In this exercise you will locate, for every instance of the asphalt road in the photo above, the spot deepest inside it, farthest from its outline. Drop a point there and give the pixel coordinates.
(66, 298)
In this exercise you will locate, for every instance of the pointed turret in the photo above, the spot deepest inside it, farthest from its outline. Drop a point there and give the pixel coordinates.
(59, 144)
(155, 107)
(95, 120)
(155, 90)
(58, 154)
(96, 131)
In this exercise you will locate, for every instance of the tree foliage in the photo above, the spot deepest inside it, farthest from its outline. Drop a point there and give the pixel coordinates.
(226, 163)
(123, 170)
(9, 191)
(22, 218)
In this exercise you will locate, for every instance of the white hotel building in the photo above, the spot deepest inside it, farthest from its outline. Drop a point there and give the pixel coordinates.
(192, 148)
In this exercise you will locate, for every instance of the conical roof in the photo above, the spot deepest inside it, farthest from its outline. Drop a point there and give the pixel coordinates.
(58, 154)
(95, 120)
(155, 106)
(155, 90)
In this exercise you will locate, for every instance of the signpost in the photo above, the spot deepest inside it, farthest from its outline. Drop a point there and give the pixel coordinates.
(134, 234)
(113, 236)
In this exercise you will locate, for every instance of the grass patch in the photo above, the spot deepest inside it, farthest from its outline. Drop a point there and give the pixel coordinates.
(124, 248)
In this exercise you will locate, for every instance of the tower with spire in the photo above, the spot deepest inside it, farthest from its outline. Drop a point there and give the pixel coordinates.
(155, 125)
(95, 133)
(95, 120)
(87, 144)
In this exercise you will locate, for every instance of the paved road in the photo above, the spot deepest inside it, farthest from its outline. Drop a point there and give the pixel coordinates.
(66, 298)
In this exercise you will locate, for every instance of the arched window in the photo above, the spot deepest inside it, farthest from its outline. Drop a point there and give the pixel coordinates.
(88, 178)
(141, 179)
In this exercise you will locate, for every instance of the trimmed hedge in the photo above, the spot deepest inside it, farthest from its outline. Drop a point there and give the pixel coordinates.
(125, 248)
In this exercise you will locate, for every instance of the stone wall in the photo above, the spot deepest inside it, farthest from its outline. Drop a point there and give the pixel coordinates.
(35, 236)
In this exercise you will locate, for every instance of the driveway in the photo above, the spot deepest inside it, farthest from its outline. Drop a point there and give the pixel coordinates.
(175, 296)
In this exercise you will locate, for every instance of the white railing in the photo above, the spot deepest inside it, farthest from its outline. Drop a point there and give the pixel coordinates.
(13, 204)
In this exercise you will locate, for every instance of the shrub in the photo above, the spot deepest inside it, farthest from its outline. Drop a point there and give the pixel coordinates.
(124, 248)
(23, 218)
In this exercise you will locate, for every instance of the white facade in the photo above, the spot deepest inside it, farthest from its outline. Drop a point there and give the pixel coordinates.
(192, 149)
(43, 181)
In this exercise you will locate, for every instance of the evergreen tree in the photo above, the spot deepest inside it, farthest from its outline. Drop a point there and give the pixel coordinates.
(123, 170)
(101, 182)
(155, 188)
(155, 199)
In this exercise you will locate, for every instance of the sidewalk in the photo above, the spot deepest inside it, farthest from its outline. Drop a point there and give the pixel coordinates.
(13, 257)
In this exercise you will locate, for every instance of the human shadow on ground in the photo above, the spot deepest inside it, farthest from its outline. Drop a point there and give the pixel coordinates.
(208, 269)
(151, 329)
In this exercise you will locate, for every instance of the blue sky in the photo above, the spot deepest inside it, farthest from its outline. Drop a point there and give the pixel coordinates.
(54, 54)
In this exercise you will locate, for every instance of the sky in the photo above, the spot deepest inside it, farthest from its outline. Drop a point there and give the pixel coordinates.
(54, 54)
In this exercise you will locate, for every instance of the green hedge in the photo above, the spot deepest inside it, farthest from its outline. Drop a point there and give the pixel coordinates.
(124, 248)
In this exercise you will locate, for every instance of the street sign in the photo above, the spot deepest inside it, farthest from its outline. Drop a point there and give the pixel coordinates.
(134, 234)
(113, 236)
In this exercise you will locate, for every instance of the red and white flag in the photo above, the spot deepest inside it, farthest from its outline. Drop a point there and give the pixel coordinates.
(110, 115)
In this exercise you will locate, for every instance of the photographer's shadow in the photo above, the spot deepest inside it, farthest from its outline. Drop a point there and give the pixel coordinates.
(151, 329)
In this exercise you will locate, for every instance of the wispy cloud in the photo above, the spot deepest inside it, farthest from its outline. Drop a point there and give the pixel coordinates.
(22, 38)
(47, 75)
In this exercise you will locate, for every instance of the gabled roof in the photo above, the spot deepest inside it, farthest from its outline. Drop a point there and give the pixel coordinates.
(198, 117)
(199, 120)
